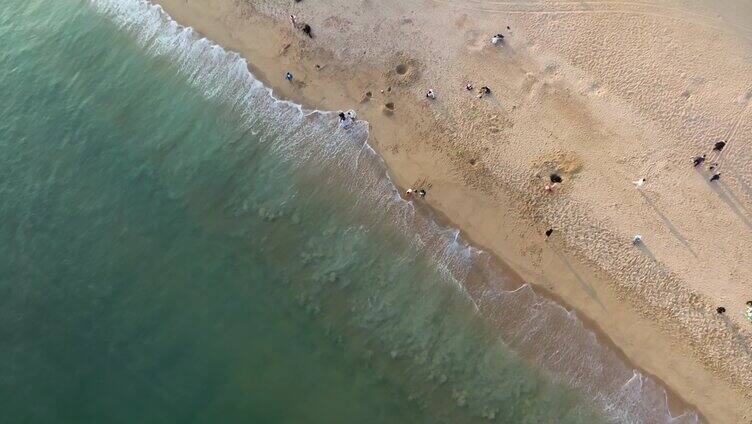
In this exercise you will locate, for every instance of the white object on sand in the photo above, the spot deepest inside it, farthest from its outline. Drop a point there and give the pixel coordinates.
(639, 183)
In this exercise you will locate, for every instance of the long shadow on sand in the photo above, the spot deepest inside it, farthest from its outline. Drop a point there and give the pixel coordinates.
(581, 281)
(667, 222)
(723, 191)
(738, 335)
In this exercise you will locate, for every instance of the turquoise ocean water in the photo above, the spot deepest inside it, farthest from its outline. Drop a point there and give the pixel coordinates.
(176, 245)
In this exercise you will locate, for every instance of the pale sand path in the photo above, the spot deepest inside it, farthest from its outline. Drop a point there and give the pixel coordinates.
(604, 92)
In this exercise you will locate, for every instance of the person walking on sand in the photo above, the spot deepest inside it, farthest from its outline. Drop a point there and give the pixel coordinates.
(301, 26)
(484, 91)
(698, 160)
(288, 76)
(718, 147)
(496, 39)
(637, 239)
(639, 183)
(431, 94)
(715, 177)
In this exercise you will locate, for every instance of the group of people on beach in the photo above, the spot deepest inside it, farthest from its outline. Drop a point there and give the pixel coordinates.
(346, 119)
(715, 156)
(483, 91)
(420, 188)
(747, 314)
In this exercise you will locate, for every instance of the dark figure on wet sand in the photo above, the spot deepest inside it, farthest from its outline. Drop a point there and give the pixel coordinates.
(698, 160)
(719, 146)
(715, 177)
(549, 232)
(720, 309)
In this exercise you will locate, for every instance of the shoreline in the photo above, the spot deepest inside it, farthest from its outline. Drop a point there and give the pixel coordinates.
(555, 272)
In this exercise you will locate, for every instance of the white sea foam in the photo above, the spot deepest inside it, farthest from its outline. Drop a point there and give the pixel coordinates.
(536, 327)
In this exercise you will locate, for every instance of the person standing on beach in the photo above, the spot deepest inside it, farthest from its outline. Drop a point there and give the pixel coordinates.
(715, 177)
(698, 160)
(715, 154)
(302, 26)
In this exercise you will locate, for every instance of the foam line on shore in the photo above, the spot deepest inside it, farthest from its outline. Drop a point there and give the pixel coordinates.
(537, 328)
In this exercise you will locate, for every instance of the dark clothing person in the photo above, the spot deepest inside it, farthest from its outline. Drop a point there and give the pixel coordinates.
(715, 177)
(422, 193)
(720, 309)
(307, 30)
(698, 160)
(719, 146)
(549, 232)
(341, 116)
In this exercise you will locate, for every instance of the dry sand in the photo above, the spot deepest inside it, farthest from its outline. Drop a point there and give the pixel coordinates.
(601, 92)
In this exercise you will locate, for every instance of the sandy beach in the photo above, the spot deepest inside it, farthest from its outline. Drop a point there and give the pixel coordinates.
(599, 93)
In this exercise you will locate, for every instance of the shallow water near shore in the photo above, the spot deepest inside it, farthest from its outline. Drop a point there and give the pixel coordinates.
(178, 245)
